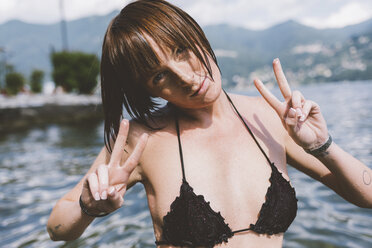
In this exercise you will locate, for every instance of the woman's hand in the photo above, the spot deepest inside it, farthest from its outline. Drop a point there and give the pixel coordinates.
(300, 117)
(104, 189)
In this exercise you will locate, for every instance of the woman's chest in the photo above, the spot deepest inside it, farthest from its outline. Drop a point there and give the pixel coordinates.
(230, 172)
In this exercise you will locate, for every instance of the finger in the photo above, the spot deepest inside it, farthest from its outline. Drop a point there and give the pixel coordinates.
(118, 150)
(111, 191)
(269, 97)
(103, 180)
(93, 186)
(115, 198)
(297, 99)
(281, 79)
(291, 119)
(121, 190)
(308, 105)
(133, 159)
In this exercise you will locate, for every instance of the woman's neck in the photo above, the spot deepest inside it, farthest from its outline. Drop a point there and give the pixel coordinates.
(206, 115)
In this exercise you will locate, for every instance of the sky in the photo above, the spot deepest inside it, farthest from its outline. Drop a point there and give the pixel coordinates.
(253, 14)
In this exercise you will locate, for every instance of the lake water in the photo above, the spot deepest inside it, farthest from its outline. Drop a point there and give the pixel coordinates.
(40, 164)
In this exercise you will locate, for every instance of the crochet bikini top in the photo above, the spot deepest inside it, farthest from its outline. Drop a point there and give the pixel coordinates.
(192, 222)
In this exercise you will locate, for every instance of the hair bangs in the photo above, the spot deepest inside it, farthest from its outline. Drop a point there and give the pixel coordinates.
(174, 28)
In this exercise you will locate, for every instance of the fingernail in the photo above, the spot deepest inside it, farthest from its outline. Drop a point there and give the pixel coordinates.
(104, 195)
(96, 196)
(292, 111)
(302, 117)
(299, 112)
(111, 190)
(276, 60)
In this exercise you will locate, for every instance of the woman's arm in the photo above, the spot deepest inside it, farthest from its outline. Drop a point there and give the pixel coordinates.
(336, 169)
(306, 129)
(67, 221)
(353, 177)
(108, 177)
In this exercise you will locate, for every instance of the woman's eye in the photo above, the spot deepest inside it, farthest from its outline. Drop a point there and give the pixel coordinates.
(180, 50)
(159, 77)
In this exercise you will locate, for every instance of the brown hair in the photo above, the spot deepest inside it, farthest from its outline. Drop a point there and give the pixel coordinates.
(128, 59)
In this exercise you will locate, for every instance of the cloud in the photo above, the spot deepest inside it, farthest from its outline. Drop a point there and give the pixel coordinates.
(247, 13)
(31, 11)
(48, 11)
(350, 13)
(265, 13)
(92, 7)
(250, 14)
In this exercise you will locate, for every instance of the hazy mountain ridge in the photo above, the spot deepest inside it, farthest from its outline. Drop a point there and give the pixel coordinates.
(308, 54)
(242, 53)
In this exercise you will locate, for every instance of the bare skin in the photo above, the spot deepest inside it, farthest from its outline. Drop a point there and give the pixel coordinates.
(222, 162)
(234, 178)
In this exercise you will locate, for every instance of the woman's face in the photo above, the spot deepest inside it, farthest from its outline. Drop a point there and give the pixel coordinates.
(181, 79)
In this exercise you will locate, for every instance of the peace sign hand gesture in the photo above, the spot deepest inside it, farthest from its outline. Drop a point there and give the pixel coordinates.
(104, 189)
(300, 117)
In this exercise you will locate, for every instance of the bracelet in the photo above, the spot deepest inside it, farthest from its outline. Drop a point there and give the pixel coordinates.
(320, 150)
(85, 211)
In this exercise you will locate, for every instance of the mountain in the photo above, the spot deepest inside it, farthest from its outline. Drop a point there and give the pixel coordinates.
(27, 46)
(308, 54)
(242, 53)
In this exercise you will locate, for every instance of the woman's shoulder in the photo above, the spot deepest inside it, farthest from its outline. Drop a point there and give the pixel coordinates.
(256, 109)
(253, 104)
(159, 123)
(158, 130)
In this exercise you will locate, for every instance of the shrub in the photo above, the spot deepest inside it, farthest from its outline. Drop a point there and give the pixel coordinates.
(14, 83)
(75, 71)
(36, 81)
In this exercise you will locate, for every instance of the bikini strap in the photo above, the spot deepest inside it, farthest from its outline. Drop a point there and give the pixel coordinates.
(241, 118)
(249, 130)
(180, 147)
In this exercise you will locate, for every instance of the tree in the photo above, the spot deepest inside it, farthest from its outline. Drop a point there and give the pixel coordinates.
(36, 81)
(14, 83)
(75, 71)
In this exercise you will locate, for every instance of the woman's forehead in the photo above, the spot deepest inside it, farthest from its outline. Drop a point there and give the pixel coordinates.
(162, 51)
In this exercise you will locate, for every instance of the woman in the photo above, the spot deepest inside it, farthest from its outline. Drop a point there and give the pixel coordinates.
(206, 159)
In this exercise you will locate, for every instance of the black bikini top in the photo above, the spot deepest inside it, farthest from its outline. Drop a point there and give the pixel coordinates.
(192, 222)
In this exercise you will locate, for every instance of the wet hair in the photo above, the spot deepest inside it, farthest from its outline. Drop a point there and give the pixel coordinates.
(128, 59)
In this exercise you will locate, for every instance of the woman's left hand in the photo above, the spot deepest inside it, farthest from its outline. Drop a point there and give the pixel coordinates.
(300, 117)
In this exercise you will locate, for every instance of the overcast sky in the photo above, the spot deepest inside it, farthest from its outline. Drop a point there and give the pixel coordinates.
(255, 14)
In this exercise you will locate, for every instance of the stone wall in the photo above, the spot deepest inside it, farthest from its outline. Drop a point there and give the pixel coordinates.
(25, 113)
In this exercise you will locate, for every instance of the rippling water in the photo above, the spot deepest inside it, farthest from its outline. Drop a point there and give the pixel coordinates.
(40, 164)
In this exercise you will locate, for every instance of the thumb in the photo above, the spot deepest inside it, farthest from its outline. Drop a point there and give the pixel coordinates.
(291, 120)
(122, 190)
(115, 197)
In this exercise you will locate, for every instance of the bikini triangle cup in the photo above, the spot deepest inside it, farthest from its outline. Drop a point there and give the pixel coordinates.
(192, 222)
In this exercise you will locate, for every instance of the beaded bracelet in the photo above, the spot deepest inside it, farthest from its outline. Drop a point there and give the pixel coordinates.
(320, 150)
(85, 211)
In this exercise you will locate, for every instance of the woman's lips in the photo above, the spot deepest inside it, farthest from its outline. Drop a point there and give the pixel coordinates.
(201, 88)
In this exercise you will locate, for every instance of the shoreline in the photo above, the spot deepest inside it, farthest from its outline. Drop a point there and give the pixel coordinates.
(25, 110)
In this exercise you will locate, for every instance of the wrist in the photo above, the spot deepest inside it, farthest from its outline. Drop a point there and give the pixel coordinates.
(322, 149)
(88, 212)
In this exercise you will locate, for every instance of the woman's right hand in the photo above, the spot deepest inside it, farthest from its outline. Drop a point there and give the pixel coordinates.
(104, 189)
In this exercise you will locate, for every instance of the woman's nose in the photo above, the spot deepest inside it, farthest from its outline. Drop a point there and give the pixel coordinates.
(185, 73)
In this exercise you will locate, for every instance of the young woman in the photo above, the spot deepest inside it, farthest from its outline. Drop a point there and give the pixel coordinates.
(213, 164)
